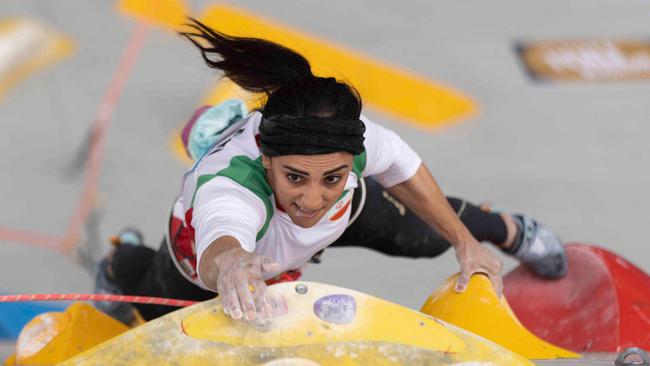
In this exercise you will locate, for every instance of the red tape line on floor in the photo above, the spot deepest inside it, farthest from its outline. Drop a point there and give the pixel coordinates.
(100, 126)
(29, 238)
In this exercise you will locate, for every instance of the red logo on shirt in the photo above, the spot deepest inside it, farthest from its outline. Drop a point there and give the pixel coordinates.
(341, 207)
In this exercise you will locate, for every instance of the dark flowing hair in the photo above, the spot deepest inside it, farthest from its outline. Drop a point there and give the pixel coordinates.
(285, 76)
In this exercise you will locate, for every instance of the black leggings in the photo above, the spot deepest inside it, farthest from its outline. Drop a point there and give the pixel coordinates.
(140, 270)
(384, 224)
(387, 226)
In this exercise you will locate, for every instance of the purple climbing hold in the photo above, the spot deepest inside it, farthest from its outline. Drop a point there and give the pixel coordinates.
(337, 309)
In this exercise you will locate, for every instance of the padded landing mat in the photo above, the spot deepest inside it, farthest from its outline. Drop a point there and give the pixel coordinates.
(602, 305)
(325, 325)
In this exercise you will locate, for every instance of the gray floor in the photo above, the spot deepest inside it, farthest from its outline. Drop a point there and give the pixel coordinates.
(575, 155)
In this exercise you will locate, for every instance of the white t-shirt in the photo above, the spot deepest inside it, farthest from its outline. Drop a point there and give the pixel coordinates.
(226, 194)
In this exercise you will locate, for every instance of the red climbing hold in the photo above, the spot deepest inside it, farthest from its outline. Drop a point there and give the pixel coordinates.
(602, 305)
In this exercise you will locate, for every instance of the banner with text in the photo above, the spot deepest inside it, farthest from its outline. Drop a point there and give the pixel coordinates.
(586, 60)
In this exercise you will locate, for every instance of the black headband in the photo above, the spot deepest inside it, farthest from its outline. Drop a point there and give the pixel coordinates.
(287, 135)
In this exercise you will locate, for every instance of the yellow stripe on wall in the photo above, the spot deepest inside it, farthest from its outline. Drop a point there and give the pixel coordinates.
(170, 14)
(226, 89)
(395, 91)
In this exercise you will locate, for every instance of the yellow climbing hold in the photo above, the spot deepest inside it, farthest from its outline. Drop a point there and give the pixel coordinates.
(325, 325)
(374, 320)
(480, 311)
(54, 337)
